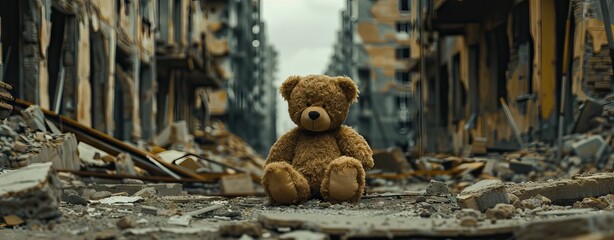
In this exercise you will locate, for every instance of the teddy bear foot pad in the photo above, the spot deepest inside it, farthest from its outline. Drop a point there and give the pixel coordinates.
(283, 191)
(343, 184)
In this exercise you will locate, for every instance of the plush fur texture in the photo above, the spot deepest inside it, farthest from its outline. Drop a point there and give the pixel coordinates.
(321, 157)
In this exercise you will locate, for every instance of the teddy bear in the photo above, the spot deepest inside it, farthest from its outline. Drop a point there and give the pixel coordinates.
(321, 157)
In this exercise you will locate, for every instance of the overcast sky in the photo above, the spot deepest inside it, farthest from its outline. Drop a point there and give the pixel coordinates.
(303, 32)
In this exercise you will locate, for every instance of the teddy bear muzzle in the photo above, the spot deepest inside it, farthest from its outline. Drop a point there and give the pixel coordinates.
(315, 119)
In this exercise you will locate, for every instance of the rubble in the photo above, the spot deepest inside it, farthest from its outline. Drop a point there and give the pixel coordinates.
(533, 202)
(31, 192)
(437, 188)
(501, 211)
(483, 195)
(567, 190)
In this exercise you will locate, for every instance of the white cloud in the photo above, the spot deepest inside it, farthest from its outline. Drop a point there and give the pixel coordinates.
(303, 32)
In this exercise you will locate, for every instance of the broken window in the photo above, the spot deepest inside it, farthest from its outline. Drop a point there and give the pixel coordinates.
(402, 77)
(404, 6)
(403, 27)
(402, 53)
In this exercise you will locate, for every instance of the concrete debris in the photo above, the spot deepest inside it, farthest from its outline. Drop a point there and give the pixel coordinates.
(148, 192)
(120, 200)
(180, 220)
(100, 195)
(483, 195)
(591, 203)
(303, 235)
(150, 210)
(35, 118)
(437, 188)
(567, 190)
(501, 211)
(468, 221)
(591, 147)
(31, 192)
(236, 230)
(204, 210)
(237, 184)
(534, 202)
(126, 222)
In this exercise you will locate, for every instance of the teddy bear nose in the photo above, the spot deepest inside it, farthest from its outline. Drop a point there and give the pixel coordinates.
(314, 115)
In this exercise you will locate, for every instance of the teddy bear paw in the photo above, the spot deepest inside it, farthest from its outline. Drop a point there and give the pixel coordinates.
(343, 184)
(284, 185)
(283, 190)
(345, 180)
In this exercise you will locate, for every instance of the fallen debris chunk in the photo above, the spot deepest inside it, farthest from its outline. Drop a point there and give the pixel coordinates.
(75, 199)
(120, 200)
(35, 118)
(590, 147)
(106, 234)
(567, 191)
(237, 184)
(468, 221)
(534, 202)
(146, 193)
(126, 222)
(100, 195)
(149, 210)
(501, 211)
(180, 220)
(437, 188)
(236, 230)
(176, 230)
(304, 235)
(483, 195)
(12, 220)
(591, 203)
(30, 192)
(204, 210)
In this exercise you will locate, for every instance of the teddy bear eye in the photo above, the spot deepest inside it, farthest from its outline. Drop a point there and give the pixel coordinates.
(324, 105)
(307, 104)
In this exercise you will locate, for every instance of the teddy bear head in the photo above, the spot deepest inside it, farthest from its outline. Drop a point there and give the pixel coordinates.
(318, 102)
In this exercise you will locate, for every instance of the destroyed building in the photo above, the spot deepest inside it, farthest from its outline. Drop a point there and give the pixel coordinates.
(374, 48)
(127, 68)
(145, 120)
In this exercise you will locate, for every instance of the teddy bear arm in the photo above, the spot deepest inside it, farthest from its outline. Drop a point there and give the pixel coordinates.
(354, 145)
(283, 149)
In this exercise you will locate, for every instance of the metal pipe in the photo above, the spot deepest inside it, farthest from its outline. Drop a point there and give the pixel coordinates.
(566, 50)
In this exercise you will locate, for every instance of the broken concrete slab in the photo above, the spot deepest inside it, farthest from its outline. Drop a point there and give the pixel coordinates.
(180, 220)
(437, 188)
(35, 118)
(303, 235)
(483, 195)
(383, 226)
(237, 184)
(31, 192)
(120, 200)
(590, 147)
(567, 227)
(567, 191)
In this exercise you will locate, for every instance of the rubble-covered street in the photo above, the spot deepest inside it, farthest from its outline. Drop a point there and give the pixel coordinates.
(306, 120)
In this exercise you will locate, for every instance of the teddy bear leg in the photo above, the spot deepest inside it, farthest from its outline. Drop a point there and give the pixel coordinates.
(284, 185)
(344, 180)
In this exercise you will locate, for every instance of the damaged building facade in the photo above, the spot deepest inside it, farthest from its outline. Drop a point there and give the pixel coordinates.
(128, 68)
(493, 75)
(498, 80)
(374, 48)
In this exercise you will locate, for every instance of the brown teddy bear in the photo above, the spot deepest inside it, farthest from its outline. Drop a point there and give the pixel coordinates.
(321, 157)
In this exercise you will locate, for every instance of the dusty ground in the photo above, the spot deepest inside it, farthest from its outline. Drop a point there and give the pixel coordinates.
(242, 217)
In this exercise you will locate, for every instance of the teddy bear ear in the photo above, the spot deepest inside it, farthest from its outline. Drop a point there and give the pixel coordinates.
(349, 88)
(288, 85)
